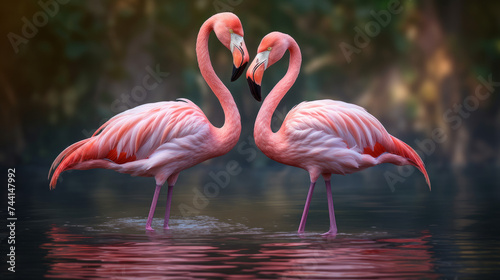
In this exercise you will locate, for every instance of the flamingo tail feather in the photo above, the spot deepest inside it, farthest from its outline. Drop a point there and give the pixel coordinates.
(404, 150)
(64, 161)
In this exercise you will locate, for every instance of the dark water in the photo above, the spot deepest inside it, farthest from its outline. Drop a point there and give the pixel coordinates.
(91, 226)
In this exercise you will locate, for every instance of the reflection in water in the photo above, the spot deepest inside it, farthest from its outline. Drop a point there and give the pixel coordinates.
(349, 258)
(106, 257)
(78, 255)
(93, 231)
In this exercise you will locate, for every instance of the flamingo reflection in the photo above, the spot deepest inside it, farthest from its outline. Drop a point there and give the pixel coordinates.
(376, 258)
(107, 256)
(75, 257)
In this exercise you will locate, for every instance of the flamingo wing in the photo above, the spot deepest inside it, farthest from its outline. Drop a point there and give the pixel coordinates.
(136, 134)
(140, 131)
(352, 124)
(347, 133)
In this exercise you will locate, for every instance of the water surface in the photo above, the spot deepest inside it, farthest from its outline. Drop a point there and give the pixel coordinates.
(92, 226)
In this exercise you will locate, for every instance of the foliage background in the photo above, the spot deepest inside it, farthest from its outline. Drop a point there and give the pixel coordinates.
(61, 84)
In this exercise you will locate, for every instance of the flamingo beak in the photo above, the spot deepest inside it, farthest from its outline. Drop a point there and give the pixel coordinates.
(255, 73)
(237, 71)
(240, 56)
(255, 89)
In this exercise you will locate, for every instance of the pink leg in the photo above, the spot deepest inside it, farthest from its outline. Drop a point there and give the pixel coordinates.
(333, 224)
(169, 201)
(153, 206)
(306, 208)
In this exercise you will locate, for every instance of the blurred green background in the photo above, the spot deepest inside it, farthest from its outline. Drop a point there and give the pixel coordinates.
(74, 72)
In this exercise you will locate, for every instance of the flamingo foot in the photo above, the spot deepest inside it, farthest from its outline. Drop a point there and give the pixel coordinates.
(149, 228)
(331, 233)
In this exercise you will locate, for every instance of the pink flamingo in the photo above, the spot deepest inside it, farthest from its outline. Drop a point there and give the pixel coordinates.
(323, 137)
(162, 139)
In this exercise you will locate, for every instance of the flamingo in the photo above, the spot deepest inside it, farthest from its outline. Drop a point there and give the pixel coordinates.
(161, 139)
(324, 137)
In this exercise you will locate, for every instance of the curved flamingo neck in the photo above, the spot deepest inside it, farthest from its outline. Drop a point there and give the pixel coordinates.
(229, 133)
(263, 133)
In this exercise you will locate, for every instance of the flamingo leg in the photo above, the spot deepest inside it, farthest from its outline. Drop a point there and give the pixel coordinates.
(333, 223)
(153, 206)
(169, 202)
(306, 208)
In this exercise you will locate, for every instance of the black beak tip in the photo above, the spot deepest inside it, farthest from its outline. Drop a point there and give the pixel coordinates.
(237, 71)
(254, 89)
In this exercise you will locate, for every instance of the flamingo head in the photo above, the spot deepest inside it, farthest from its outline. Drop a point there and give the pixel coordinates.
(229, 31)
(271, 49)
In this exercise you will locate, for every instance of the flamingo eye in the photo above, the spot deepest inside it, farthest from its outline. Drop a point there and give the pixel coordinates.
(269, 48)
(231, 31)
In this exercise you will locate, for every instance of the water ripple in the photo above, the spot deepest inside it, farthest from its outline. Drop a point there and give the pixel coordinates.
(233, 251)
